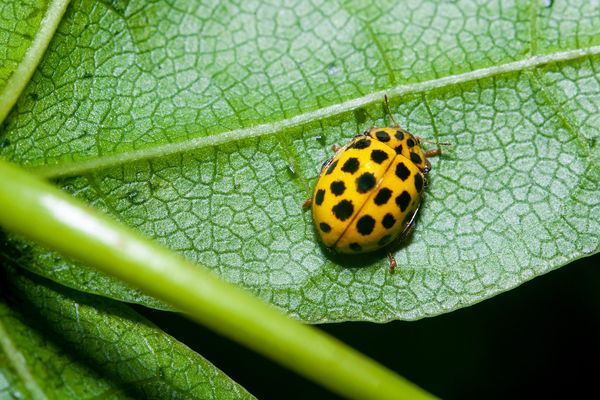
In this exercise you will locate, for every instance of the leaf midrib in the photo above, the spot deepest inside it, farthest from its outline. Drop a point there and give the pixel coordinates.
(168, 149)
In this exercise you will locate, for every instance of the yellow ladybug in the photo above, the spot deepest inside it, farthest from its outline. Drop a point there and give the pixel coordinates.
(369, 192)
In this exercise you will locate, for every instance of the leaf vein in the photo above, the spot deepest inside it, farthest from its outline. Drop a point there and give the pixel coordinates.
(380, 49)
(533, 27)
(22, 74)
(85, 166)
(565, 119)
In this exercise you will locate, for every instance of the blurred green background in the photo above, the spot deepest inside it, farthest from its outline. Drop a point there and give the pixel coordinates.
(536, 340)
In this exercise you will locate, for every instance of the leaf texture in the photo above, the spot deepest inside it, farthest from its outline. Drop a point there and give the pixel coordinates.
(19, 21)
(98, 348)
(204, 126)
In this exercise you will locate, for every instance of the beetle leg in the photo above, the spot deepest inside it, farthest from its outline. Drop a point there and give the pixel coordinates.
(403, 236)
(408, 230)
(433, 152)
(410, 227)
(392, 262)
(307, 204)
(335, 148)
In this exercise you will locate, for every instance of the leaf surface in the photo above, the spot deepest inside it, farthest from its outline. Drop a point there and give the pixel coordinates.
(99, 348)
(204, 126)
(19, 22)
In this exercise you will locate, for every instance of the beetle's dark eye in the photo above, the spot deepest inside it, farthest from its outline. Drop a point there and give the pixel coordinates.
(427, 169)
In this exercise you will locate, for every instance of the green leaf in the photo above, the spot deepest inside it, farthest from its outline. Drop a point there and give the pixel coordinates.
(204, 126)
(26, 28)
(58, 221)
(18, 23)
(99, 348)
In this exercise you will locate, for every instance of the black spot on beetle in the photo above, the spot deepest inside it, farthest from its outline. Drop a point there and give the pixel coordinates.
(331, 167)
(343, 210)
(418, 182)
(414, 157)
(355, 247)
(338, 188)
(365, 225)
(379, 156)
(410, 142)
(388, 221)
(403, 201)
(402, 172)
(382, 136)
(365, 182)
(319, 197)
(383, 196)
(361, 144)
(351, 165)
(399, 135)
(398, 149)
(325, 227)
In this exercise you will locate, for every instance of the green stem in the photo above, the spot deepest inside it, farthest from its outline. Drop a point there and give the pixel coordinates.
(22, 74)
(40, 212)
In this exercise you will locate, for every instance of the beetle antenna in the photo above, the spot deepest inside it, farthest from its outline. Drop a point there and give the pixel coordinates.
(435, 142)
(387, 107)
